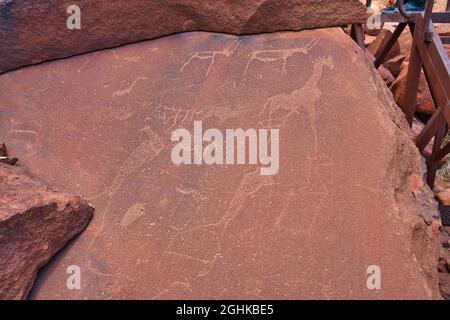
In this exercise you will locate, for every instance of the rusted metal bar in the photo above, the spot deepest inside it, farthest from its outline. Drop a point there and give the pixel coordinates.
(438, 78)
(442, 153)
(436, 17)
(433, 165)
(427, 51)
(436, 121)
(411, 26)
(437, 70)
(357, 31)
(357, 34)
(427, 17)
(440, 17)
(428, 12)
(418, 54)
(412, 80)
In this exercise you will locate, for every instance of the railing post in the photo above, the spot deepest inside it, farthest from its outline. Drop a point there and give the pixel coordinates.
(415, 63)
(433, 165)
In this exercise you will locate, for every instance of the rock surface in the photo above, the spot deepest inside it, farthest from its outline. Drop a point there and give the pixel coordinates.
(394, 65)
(425, 104)
(444, 197)
(376, 46)
(35, 223)
(385, 74)
(349, 192)
(32, 31)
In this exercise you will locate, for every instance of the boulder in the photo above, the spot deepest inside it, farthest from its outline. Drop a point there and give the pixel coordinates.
(444, 197)
(425, 104)
(380, 42)
(385, 74)
(348, 199)
(394, 65)
(405, 42)
(35, 223)
(368, 39)
(33, 31)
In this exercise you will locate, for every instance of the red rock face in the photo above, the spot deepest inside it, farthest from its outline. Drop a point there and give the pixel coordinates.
(348, 194)
(35, 31)
(425, 103)
(35, 223)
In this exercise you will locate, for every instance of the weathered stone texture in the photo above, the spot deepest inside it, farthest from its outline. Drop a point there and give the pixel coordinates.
(349, 193)
(35, 223)
(32, 31)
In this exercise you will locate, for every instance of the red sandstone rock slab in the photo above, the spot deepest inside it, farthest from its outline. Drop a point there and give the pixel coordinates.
(35, 223)
(36, 31)
(348, 195)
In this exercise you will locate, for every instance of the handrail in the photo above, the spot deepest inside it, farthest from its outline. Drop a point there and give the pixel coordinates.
(428, 12)
(427, 53)
(408, 15)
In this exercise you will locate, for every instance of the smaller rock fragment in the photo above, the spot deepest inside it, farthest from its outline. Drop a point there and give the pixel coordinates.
(35, 223)
(4, 156)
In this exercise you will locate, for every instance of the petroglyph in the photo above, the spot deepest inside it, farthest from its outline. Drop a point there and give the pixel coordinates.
(133, 213)
(170, 117)
(211, 55)
(149, 149)
(87, 60)
(115, 54)
(279, 54)
(28, 127)
(305, 97)
(289, 197)
(123, 92)
(122, 113)
(250, 185)
(131, 58)
(175, 117)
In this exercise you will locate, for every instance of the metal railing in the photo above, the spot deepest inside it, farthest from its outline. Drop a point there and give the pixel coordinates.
(427, 53)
